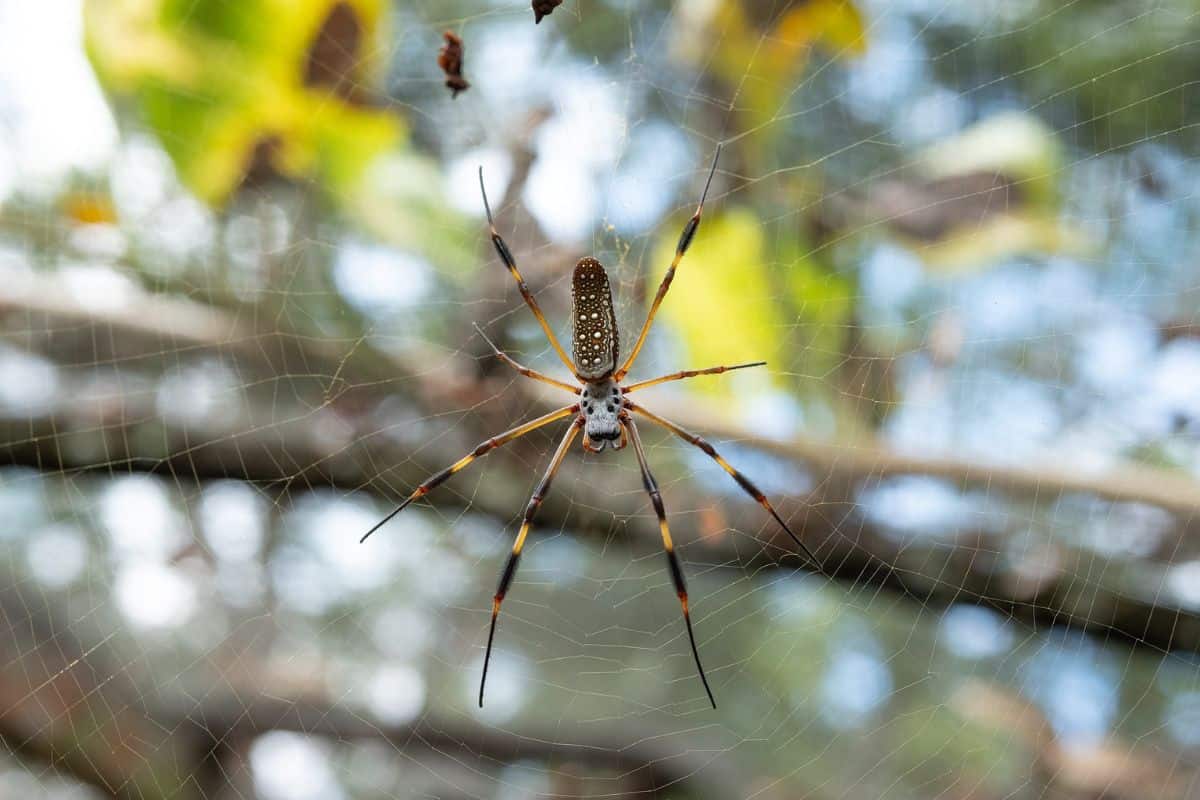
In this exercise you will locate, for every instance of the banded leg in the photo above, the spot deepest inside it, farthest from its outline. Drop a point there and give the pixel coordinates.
(668, 547)
(526, 371)
(483, 449)
(507, 257)
(685, 241)
(689, 373)
(510, 567)
(741, 479)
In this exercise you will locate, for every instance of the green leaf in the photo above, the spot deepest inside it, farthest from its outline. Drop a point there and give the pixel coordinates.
(399, 202)
(981, 196)
(721, 303)
(1014, 144)
(759, 53)
(741, 296)
(236, 90)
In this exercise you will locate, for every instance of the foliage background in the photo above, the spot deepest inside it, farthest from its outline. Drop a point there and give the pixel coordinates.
(242, 251)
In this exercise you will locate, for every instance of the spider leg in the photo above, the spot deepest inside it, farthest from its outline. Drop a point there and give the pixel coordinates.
(668, 547)
(483, 449)
(685, 241)
(741, 479)
(688, 373)
(507, 257)
(526, 371)
(510, 567)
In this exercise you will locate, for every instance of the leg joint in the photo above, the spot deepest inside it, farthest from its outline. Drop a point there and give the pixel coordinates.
(656, 501)
(689, 232)
(437, 479)
(677, 575)
(506, 577)
(750, 488)
(502, 251)
(534, 504)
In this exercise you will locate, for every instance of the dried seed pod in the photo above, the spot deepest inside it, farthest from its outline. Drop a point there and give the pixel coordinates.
(450, 59)
(542, 8)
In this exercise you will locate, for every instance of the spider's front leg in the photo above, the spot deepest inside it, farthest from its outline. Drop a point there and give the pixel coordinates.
(685, 241)
(507, 257)
(485, 447)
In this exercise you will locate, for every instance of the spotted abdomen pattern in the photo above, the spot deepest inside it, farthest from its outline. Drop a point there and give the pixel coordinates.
(596, 346)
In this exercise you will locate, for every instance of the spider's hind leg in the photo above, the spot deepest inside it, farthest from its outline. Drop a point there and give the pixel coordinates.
(673, 564)
(510, 566)
(747, 486)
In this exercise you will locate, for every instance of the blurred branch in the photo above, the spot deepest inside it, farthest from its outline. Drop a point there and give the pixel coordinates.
(376, 428)
(82, 711)
(632, 755)
(1111, 768)
(150, 325)
(865, 459)
(49, 313)
(72, 706)
(1179, 329)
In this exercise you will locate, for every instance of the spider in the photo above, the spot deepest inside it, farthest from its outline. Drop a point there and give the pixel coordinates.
(602, 410)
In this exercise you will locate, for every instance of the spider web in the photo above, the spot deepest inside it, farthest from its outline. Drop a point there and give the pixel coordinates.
(967, 233)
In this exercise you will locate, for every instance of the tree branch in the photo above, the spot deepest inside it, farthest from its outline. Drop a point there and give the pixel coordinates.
(632, 756)
(345, 440)
(41, 312)
(77, 709)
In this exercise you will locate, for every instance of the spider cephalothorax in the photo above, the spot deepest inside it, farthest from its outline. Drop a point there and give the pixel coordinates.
(601, 408)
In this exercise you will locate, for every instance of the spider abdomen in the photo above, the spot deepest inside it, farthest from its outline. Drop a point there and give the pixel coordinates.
(595, 341)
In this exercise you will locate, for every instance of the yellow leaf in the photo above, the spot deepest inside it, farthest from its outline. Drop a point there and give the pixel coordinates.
(88, 208)
(721, 304)
(1022, 152)
(747, 52)
(1014, 144)
(126, 44)
(836, 22)
(969, 248)
(238, 90)
(759, 60)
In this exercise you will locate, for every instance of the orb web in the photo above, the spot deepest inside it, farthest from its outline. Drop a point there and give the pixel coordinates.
(963, 235)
